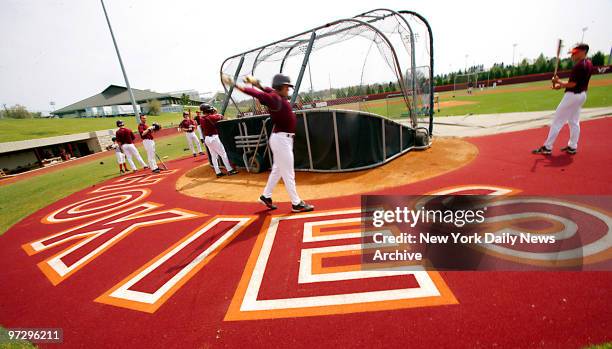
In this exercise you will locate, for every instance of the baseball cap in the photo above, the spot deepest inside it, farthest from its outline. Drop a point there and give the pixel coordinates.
(280, 80)
(579, 47)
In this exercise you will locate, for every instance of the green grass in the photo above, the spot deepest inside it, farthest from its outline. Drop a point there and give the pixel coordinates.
(509, 101)
(29, 195)
(523, 101)
(23, 129)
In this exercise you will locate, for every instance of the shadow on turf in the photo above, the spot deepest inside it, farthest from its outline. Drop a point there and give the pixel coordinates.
(562, 160)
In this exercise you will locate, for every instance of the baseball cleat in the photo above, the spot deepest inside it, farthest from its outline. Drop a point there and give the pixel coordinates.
(232, 172)
(201, 153)
(157, 170)
(302, 207)
(569, 150)
(220, 174)
(268, 202)
(194, 155)
(145, 168)
(542, 150)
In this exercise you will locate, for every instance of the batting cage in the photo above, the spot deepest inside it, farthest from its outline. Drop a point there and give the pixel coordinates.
(355, 79)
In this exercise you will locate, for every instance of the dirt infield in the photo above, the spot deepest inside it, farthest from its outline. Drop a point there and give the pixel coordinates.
(447, 154)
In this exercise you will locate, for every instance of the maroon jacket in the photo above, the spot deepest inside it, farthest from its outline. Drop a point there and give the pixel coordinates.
(143, 127)
(281, 112)
(209, 124)
(581, 74)
(188, 125)
(125, 136)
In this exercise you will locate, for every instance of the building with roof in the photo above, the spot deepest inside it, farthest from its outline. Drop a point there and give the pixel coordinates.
(115, 95)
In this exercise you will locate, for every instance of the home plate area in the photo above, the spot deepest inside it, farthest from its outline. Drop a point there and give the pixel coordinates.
(136, 262)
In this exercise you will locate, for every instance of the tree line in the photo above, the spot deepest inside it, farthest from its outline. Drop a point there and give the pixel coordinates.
(17, 112)
(540, 65)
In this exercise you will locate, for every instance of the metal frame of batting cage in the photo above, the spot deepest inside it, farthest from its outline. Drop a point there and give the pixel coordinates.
(357, 22)
(307, 55)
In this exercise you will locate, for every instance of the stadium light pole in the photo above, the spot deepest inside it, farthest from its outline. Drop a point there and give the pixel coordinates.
(583, 30)
(127, 82)
(513, 51)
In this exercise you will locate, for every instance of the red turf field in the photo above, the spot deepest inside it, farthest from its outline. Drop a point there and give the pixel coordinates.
(145, 266)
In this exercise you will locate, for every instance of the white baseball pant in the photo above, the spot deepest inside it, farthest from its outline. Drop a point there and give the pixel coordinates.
(130, 151)
(191, 140)
(568, 111)
(120, 157)
(149, 146)
(281, 145)
(216, 149)
(200, 134)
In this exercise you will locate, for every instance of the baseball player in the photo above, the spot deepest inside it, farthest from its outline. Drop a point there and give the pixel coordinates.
(281, 140)
(146, 133)
(125, 138)
(119, 155)
(188, 126)
(568, 110)
(208, 121)
(198, 121)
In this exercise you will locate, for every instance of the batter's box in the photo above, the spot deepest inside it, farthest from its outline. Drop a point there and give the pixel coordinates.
(309, 265)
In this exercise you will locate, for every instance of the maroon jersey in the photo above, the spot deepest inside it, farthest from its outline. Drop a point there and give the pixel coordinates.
(125, 136)
(209, 124)
(143, 127)
(581, 74)
(188, 125)
(280, 110)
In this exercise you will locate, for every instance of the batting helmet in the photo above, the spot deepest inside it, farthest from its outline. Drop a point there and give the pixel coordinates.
(120, 123)
(207, 108)
(114, 139)
(279, 80)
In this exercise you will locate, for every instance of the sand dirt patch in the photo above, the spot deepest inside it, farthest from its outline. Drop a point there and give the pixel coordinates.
(446, 154)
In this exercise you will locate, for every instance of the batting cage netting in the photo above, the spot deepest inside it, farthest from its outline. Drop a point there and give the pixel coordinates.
(379, 63)
(351, 64)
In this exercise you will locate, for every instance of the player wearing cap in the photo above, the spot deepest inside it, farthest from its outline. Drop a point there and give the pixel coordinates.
(188, 126)
(208, 121)
(281, 140)
(568, 110)
(146, 133)
(119, 155)
(125, 138)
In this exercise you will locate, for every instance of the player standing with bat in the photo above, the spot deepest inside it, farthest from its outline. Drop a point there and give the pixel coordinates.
(125, 138)
(146, 133)
(568, 110)
(281, 140)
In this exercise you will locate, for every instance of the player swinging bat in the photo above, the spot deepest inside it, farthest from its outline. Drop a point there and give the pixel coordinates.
(281, 140)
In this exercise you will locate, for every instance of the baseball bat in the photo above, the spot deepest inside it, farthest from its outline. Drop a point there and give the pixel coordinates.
(165, 168)
(559, 45)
